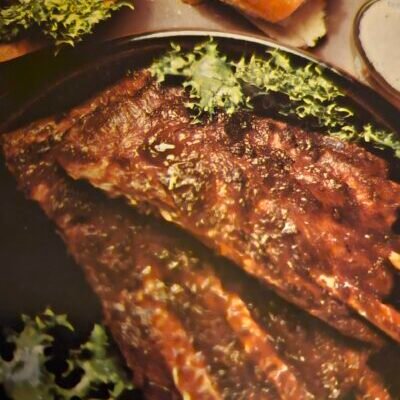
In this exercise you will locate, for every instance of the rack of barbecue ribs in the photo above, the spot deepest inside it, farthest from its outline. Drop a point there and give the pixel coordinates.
(309, 216)
(193, 325)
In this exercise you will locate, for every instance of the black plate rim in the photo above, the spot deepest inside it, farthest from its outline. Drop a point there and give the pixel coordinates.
(368, 98)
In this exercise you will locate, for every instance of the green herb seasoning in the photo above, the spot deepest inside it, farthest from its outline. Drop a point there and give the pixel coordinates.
(218, 84)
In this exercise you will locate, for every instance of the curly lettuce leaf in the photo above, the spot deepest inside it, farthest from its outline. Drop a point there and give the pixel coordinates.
(27, 375)
(209, 77)
(310, 93)
(379, 138)
(102, 367)
(64, 21)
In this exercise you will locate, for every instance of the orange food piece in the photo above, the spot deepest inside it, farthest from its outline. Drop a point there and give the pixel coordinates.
(270, 10)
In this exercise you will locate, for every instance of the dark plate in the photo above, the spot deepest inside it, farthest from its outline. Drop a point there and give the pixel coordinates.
(36, 270)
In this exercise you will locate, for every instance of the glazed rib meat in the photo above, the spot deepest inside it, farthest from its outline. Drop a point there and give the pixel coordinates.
(309, 216)
(189, 324)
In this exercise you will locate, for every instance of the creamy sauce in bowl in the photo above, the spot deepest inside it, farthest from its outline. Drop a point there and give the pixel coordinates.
(379, 37)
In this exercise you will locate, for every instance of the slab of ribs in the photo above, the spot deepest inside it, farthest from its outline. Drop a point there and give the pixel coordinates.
(239, 258)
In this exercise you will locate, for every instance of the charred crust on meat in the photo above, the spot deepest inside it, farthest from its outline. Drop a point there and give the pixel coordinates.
(237, 126)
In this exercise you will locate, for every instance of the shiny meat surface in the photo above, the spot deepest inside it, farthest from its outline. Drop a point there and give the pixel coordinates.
(309, 216)
(189, 324)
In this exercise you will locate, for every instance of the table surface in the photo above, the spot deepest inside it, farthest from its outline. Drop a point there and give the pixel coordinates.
(153, 15)
(336, 48)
